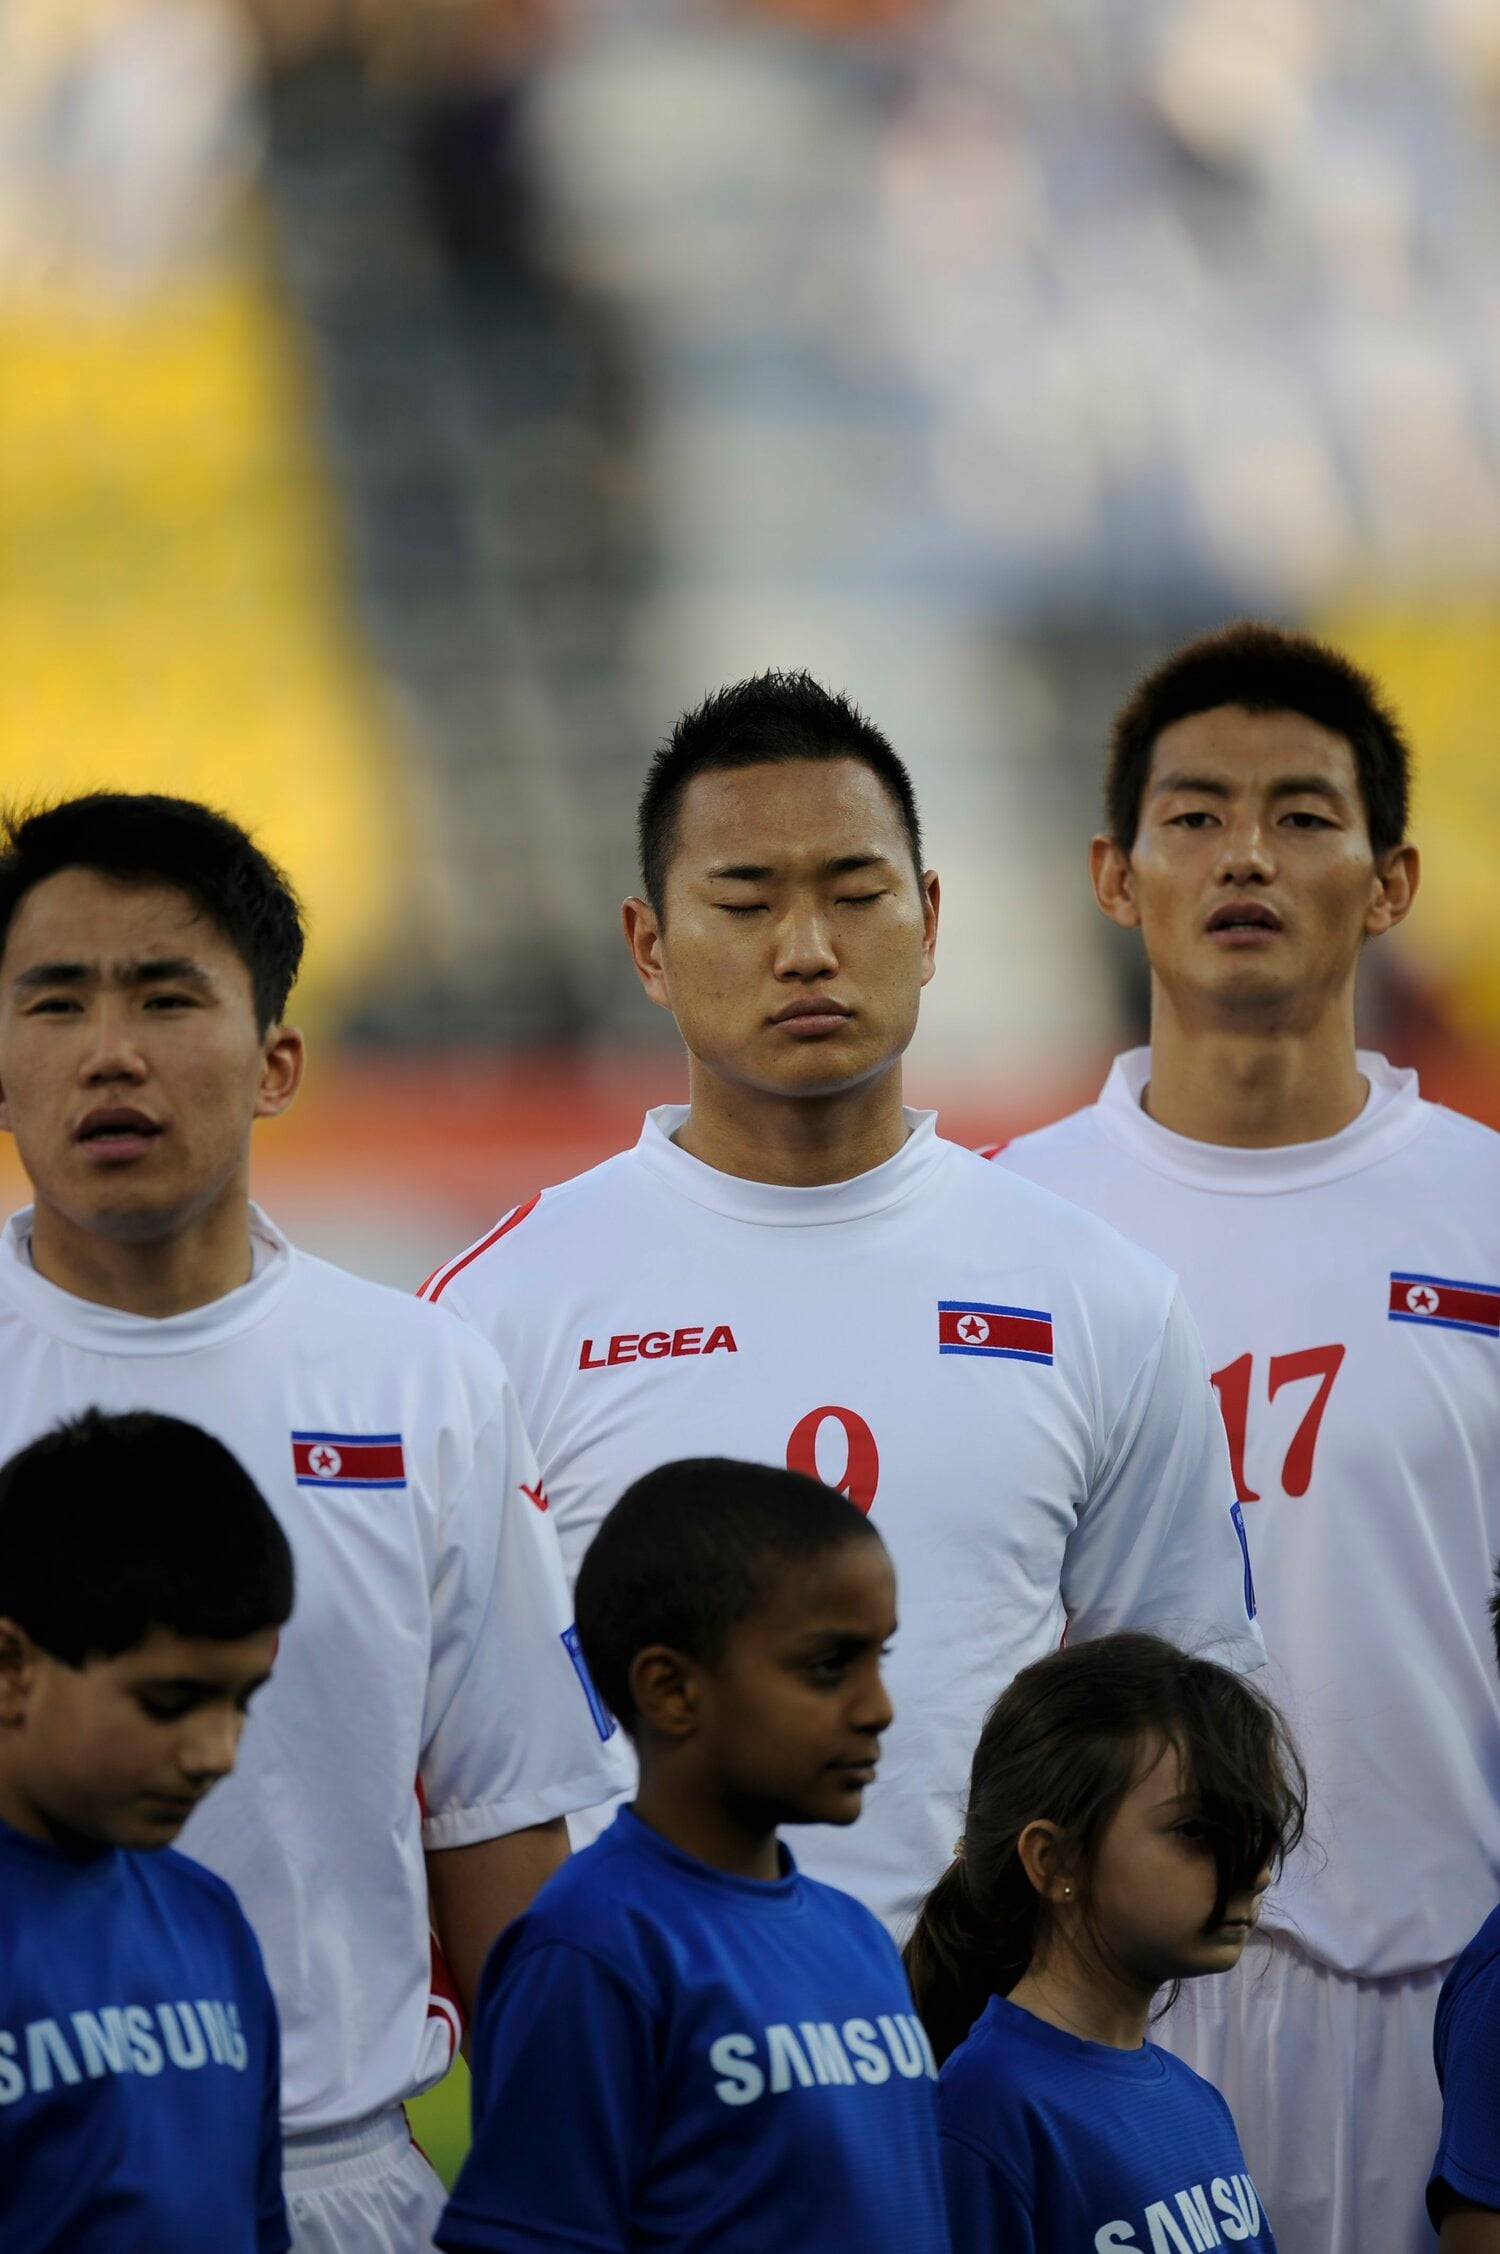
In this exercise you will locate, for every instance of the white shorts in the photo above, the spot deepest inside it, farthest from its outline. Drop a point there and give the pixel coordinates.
(365, 2189)
(1332, 2087)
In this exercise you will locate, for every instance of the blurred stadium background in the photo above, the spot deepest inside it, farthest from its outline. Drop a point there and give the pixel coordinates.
(407, 406)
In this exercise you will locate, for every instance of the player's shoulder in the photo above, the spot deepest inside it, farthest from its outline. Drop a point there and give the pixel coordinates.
(1042, 1225)
(392, 1327)
(1461, 1140)
(1077, 1131)
(531, 1232)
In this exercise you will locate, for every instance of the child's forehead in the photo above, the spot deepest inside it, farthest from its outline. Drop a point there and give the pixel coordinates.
(846, 1590)
(166, 1654)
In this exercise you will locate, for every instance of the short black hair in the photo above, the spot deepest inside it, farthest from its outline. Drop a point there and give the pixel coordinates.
(1495, 1611)
(140, 836)
(1261, 668)
(770, 720)
(689, 1552)
(111, 1526)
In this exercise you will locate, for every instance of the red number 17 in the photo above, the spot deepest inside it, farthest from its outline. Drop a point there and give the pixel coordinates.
(1232, 1384)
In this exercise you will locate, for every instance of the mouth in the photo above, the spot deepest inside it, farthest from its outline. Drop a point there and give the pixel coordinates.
(168, 1807)
(855, 1772)
(115, 1133)
(812, 1016)
(1243, 923)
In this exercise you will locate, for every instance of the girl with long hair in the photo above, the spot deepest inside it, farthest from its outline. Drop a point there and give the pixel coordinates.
(1128, 1806)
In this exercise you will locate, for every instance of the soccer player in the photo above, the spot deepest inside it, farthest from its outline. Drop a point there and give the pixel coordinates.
(1463, 2192)
(794, 1269)
(143, 1580)
(1339, 1242)
(684, 2043)
(146, 952)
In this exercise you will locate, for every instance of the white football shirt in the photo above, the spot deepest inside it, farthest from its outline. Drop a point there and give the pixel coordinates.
(428, 1638)
(1017, 1395)
(1348, 1292)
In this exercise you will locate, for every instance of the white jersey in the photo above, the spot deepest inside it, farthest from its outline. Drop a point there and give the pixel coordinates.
(1348, 1292)
(429, 1639)
(1017, 1395)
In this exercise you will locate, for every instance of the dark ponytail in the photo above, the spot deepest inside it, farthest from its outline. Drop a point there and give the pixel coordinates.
(1064, 1744)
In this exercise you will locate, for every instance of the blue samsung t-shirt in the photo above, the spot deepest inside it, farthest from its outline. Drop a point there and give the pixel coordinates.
(1051, 2142)
(1466, 2048)
(139, 2059)
(671, 2058)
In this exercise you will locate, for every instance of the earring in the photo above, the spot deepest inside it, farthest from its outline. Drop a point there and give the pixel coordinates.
(1067, 1890)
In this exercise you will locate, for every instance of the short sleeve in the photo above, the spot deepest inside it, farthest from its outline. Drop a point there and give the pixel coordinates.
(986, 2212)
(1468, 2063)
(1160, 1543)
(273, 2232)
(514, 1732)
(564, 2107)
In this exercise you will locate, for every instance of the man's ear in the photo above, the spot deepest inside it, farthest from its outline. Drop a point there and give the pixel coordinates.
(1397, 875)
(1114, 882)
(664, 1690)
(19, 1661)
(280, 1072)
(643, 938)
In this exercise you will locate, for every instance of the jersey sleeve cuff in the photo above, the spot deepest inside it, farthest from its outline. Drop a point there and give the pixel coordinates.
(1448, 2175)
(495, 1819)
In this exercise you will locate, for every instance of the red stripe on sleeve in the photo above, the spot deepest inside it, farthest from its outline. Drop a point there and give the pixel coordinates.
(993, 1150)
(438, 1282)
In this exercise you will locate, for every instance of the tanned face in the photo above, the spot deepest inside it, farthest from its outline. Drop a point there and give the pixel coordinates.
(796, 936)
(1252, 878)
(120, 1751)
(131, 1063)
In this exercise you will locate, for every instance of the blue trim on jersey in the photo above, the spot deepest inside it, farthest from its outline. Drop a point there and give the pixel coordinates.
(340, 1479)
(998, 1353)
(604, 1721)
(1448, 1322)
(988, 1307)
(354, 1439)
(1409, 1276)
(1237, 1515)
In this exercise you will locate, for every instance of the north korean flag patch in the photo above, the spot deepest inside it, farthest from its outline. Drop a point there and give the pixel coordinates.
(349, 1459)
(1448, 1305)
(1011, 1334)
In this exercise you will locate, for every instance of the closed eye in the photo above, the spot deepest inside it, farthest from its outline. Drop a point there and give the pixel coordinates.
(858, 899)
(738, 908)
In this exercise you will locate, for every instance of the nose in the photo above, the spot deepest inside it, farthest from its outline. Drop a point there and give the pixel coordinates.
(873, 1713)
(1245, 854)
(804, 943)
(112, 1051)
(207, 1751)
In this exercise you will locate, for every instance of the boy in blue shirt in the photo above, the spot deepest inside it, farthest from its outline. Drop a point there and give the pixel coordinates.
(684, 2044)
(1463, 2195)
(143, 1581)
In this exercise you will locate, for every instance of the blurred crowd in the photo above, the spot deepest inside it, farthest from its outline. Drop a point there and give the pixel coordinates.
(964, 350)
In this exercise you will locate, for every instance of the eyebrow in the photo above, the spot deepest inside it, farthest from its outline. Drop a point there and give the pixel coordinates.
(1215, 786)
(840, 865)
(153, 970)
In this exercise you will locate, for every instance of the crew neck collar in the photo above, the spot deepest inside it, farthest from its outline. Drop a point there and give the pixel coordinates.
(1013, 2023)
(771, 1204)
(1393, 1113)
(113, 1330)
(765, 1893)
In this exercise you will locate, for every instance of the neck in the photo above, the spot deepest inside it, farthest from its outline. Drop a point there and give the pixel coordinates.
(163, 1276)
(701, 1824)
(1091, 2001)
(22, 1814)
(1252, 1086)
(796, 1142)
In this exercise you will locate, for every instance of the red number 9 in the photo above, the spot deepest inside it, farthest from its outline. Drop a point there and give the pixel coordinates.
(861, 1473)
